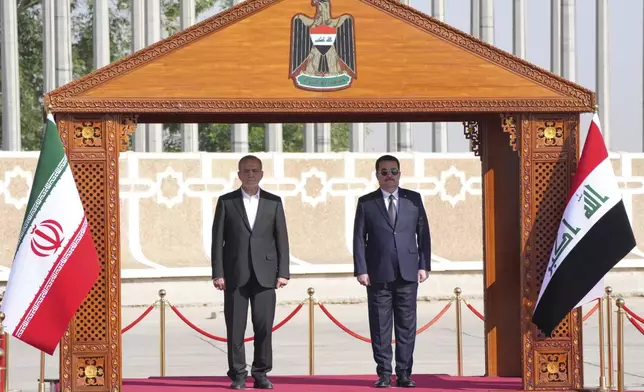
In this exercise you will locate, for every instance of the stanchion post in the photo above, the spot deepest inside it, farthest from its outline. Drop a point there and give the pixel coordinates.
(620, 344)
(162, 301)
(5, 351)
(2, 369)
(602, 364)
(459, 337)
(609, 331)
(311, 292)
(3, 356)
(41, 381)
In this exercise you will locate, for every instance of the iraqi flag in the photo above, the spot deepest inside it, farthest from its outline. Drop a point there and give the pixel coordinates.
(594, 235)
(56, 263)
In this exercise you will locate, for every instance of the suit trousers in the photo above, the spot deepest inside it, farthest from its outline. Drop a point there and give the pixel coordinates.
(393, 302)
(262, 303)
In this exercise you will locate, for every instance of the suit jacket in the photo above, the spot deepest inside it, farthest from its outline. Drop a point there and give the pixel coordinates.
(376, 239)
(235, 247)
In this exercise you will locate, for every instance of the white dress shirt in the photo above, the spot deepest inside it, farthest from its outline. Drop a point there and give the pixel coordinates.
(251, 203)
(386, 196)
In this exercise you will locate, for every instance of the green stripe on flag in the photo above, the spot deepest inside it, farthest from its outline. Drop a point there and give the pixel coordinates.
(52, 163)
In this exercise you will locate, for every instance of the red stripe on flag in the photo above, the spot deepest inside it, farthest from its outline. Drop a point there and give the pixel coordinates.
(593, 154)
(323, 30)
(66, 294)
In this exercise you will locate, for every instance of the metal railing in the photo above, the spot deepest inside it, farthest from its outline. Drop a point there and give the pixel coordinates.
(603, 306)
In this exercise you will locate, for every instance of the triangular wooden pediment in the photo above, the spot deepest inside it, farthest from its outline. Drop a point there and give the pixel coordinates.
(385, 55)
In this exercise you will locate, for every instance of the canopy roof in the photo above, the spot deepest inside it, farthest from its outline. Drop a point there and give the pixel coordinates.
(343, 56)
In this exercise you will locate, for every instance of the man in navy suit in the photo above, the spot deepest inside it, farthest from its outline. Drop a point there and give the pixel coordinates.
(391, 256)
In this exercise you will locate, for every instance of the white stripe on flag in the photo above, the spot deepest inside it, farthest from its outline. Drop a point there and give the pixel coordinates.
(52, 278)
(323, 39)
(41, 197)
(594, 197)
(62, 205)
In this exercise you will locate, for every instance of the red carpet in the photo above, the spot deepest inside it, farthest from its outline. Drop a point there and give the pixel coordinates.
(425, 382)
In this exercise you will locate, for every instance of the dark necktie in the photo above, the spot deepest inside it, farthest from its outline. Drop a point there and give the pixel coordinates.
(392, 210)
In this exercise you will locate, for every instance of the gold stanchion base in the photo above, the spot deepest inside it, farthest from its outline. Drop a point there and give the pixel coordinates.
(602, 385)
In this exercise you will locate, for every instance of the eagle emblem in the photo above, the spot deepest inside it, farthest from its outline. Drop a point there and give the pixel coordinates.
(323, 56)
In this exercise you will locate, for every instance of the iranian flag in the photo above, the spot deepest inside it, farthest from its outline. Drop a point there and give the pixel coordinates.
(56, 263)
(594, 235)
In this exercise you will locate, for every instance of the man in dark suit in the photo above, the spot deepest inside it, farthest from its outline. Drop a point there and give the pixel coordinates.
(250, 259)
(391, 256)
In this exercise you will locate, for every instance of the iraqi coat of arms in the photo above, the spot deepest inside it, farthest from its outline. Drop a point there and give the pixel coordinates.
(323, 56)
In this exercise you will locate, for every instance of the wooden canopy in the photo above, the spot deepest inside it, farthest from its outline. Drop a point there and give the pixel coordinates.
(239, 62)
(335, 61)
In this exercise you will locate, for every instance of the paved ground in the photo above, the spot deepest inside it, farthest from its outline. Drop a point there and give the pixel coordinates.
(335, 351)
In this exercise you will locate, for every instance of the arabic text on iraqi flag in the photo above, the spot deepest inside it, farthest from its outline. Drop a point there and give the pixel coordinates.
(56, 263)
(594, 235)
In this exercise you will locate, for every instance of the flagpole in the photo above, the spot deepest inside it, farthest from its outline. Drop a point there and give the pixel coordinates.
(602, 364)
(41, 383)
(602, 355)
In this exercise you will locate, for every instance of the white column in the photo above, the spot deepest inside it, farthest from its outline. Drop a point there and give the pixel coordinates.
(439, 129)
(9, 68)
(49, 45)
(273, 139)
(405, 137)
(152, 35)
(555, 36)
(357, 137)
(487, 21)
(239, 138)
(63, 43)
(101, 33)
(568, 50)
(323, 137)
(138, 25)
(475, 18)
(518, 28)
(308, 138)
(603, 69)
(392, 137)
(189, 132)
(138, 43)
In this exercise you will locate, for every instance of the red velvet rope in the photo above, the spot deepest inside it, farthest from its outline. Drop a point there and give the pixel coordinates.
(479, 315)
(366, 339)
(591, 312)
(476, 312)
(219, 338)
(632, 314)
(138, 320)
(635, 324)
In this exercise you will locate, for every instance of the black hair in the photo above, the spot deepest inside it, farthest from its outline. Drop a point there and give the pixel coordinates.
(387, 158)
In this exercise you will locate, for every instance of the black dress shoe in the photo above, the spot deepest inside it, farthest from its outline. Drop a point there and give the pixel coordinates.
(383, 382)
(405, 382)
(263, 383)
(238, 384)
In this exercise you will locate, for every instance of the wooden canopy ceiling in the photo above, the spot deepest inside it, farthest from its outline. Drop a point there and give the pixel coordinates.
(395, 59)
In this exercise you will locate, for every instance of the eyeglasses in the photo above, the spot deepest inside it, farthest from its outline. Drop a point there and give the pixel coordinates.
(394, 171)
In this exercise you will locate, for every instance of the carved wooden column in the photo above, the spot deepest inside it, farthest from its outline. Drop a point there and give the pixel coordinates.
(501, 249)
(548, 153)
(90, 350)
